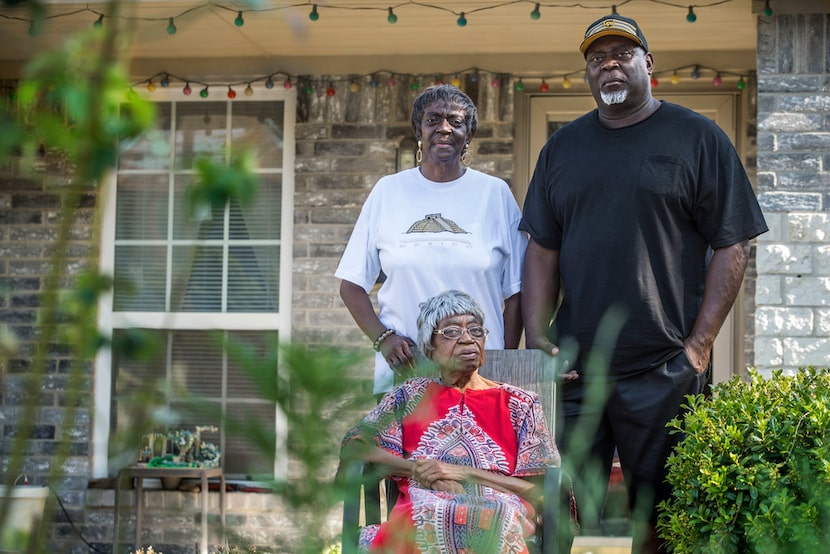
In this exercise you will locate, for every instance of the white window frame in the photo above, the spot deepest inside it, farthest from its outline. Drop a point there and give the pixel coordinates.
(280, 322)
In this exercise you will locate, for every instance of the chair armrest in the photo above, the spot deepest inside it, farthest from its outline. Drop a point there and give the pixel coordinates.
(351, 476)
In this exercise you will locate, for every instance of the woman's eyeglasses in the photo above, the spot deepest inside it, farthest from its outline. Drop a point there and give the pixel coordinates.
(454, 332)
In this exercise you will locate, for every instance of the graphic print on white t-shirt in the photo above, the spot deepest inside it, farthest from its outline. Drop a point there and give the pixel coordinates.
(436, 229)
(435, 223)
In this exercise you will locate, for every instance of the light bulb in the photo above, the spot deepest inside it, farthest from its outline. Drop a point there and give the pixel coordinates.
(535, 14)
(392, 18)
(691, 17)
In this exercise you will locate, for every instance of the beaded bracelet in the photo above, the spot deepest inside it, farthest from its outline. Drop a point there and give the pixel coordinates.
(381, 338)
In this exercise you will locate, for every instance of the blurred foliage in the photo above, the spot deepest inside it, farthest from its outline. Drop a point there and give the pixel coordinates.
(75, 105)
(69, 106)
(752, 474)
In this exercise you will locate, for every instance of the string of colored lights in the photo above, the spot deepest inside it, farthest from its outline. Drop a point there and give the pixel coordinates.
(392, 79)
(462, 18)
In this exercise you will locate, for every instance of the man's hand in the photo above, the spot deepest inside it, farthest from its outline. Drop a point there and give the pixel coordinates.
(542, 343)
(698, 357)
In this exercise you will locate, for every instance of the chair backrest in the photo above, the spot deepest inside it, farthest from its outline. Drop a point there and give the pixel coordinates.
(531, 370)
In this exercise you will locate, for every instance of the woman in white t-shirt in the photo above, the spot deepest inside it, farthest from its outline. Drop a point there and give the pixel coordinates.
(435, 227)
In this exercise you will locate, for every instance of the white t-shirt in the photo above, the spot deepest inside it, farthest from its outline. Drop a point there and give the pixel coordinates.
(430, 237)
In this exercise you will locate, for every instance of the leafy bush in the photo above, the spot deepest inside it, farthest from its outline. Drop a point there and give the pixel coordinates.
(753, 472)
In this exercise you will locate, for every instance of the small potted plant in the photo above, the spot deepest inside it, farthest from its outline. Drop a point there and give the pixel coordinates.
(753, 471)
(21, 506)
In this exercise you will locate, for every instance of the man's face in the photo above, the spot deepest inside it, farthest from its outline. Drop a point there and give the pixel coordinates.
(619, 72)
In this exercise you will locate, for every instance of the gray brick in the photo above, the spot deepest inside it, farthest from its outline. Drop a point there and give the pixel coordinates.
(803, 181)
(327, 251)
(813, 47)
(40, 201)
(789, 83)
(785, 40)
(33, 233)
(398, 132)
(766, 142)
(332, 148)
(331, 182)
(791, 122)
(322, 216)
(363, 165)
(492, 147)
(20, 217)
(352, 132)
(789, 201)
(804, 103)
(804, 141)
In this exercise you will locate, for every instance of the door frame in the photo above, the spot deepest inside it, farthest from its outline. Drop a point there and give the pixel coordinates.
(728, 356)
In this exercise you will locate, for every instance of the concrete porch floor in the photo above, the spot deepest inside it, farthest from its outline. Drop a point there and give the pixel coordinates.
(601, 545)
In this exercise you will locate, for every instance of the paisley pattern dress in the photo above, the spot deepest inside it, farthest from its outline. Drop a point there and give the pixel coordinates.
(501, 429)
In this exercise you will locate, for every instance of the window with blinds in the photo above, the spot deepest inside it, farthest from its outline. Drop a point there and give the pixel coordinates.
(190, 275)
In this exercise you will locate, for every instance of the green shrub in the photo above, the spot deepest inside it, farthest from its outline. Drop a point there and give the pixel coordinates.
(753, 472)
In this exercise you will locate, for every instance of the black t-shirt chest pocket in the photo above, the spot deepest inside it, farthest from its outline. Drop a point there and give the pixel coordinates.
(663, 175)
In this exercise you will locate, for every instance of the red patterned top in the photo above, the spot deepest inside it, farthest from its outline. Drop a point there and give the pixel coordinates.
(501, 429)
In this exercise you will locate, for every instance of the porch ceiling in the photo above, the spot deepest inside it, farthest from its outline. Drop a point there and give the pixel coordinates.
(354, 35)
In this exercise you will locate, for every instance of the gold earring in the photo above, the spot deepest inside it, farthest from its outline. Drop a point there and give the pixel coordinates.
(466, 157)
(419, 154)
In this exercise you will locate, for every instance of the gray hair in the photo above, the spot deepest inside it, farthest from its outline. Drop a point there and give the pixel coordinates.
(447, 304)
(454, 97)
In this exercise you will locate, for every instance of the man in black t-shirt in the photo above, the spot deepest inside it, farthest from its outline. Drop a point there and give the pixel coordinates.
(640, 215)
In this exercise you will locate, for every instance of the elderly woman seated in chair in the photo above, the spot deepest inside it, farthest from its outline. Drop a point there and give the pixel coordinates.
(463, 450)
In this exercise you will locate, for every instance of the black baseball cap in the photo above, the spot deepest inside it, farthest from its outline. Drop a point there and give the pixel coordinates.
(615, 25)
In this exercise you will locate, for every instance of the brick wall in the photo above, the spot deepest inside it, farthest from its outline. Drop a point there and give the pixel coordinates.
(31, 205)
(793, 289)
